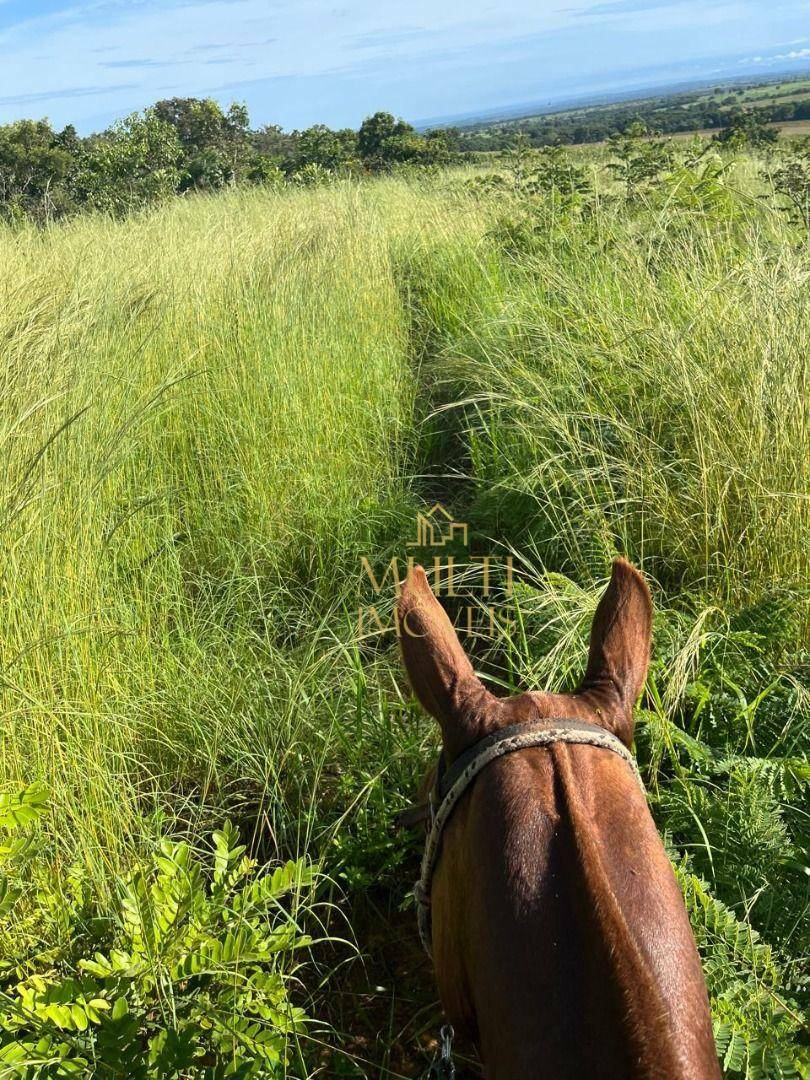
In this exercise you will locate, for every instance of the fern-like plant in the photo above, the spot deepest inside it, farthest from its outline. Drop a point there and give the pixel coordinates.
(194, 980)
(757, 1028)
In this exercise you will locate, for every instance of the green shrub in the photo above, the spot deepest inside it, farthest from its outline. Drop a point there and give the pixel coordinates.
(558, 173)
(747, 128)
(192, 975)
(757, 1027)
(640, 159)
(311, 174)
(791, 180)
(135, 163)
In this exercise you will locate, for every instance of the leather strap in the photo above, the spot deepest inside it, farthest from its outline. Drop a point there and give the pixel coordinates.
(447, 777)
(453, 782)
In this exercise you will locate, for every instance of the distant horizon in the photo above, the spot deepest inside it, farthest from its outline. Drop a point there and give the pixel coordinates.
(299, 62)
(523, 109)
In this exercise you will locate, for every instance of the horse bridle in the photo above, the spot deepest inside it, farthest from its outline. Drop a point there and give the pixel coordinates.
(452, 782)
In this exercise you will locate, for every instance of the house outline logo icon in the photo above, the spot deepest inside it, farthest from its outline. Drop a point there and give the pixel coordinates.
(437, 528)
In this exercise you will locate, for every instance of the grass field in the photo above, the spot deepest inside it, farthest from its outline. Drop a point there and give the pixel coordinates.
(675, 113)
(212, 413)
(791, 129)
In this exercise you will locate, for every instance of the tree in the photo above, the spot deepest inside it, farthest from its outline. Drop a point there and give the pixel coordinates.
(558, 174)
(198, 123)
(747, 128)
(215, 145)
(383, 141)
(136, 161)
(320, 145)
(236, 138)
(791, 180)
(518, 158)
(36, 168)
(441, 145)
(276, 145)
(402, 148)
(380, 138)
(641, 158)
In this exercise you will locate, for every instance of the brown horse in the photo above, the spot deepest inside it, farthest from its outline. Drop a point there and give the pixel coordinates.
(561, 942)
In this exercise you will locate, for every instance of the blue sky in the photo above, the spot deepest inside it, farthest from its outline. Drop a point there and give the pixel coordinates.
(298, 62)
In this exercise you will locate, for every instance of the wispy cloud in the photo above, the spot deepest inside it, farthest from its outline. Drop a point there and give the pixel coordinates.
(142, 63)
(622, 7)
(296, 62)
(68, 92)
(230, 46)
(388, 38)
(778, 58)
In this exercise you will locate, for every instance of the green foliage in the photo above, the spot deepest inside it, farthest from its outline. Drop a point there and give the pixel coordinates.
(641, 159)
(546, 192)
(441, 145)
(311, 174)
(136, 162)
(757, 1028)
(734, 823)
(17, 810)
(328, 149)
(747, 129)
(700, 188)
(484, 185)
(791, 180)
(556, 172)
(189, 144)
(192, 979)
(275, 146)
(375, 134)
(383, 141)
(265, 172)
(37, 165)
(215, 145)
(518, 159)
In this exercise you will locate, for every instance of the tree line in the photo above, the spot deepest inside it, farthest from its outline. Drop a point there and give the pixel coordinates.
(189, 144)
(668, 116)
(182, 145)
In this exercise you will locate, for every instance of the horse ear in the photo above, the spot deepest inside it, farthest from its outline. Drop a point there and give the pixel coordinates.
(620, 649)
(439, 670)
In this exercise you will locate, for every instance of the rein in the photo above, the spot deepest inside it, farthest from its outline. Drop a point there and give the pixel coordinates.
(452, 782)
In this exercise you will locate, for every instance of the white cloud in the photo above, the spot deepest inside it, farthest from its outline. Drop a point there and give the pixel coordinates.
(777, 58)
(304, 60)
(176, 47)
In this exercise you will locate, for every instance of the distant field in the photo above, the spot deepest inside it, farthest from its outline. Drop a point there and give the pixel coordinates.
(766, 94)
(772, 93)
(791, 129)
(785, 102)
(795, 127)
(727, 98)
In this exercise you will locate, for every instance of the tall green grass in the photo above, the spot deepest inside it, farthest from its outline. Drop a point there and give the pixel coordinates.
(632, 377)
(636, 383)
(205, 417)
(210, 413)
